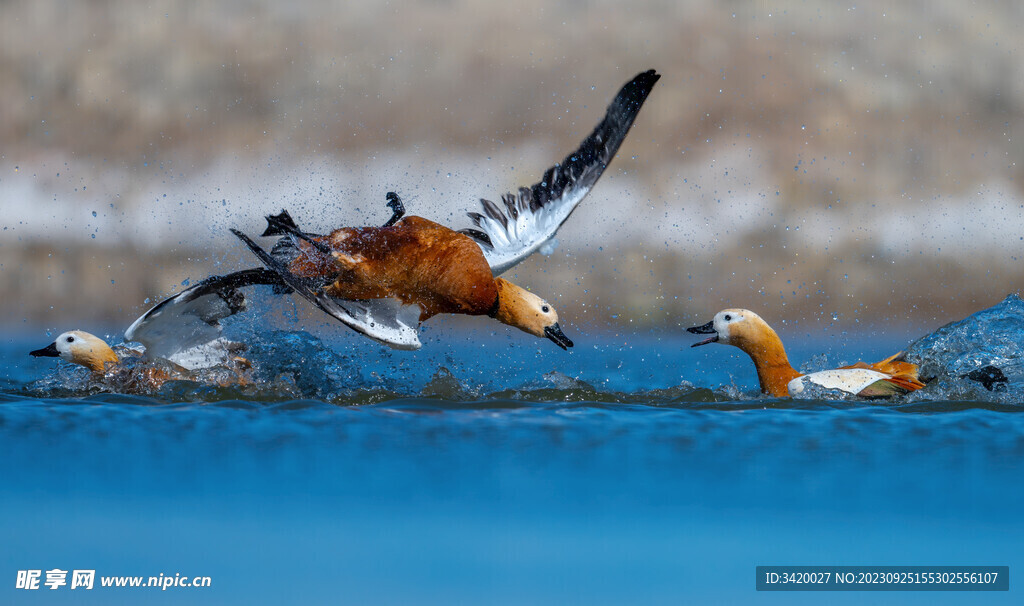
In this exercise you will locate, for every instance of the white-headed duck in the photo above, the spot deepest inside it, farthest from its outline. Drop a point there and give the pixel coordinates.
(82, 348)
(746, 330)
(216, 361)
(88, 350)
(182, 335)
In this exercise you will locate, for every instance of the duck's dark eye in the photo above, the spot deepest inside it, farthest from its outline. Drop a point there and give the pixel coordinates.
(70, 339)
(728, 317)
(545, 309)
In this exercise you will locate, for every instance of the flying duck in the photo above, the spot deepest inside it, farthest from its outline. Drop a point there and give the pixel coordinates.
(384, 281)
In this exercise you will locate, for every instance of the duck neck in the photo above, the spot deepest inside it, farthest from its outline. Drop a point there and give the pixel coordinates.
(98, 359)
(507, 302)
(513, 308)
(774, 371)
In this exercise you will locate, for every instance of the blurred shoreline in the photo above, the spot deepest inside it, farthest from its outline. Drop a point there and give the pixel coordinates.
(809, 162)
(627, 290)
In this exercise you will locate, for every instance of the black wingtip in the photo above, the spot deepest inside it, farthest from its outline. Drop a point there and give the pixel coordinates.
(279, 225)
(255, 248)
(633, 94)
(569, 181)
(646, 79)
(477, 235)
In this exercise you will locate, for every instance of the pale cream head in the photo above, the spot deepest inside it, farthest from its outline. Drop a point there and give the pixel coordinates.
(82, 348)
(744, 329)
(528, 312)
(739, 327)
(734, 326)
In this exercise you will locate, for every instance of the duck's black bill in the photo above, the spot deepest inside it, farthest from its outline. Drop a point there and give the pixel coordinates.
(555, 333)
(704, 329)
(50, 351)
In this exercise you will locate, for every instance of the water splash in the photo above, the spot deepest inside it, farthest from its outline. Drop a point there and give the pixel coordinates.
(978, 358)
(813, 391)
(295, 366)
(446, 386)
(302, 363)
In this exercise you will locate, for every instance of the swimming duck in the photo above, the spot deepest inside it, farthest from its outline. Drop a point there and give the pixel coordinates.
(384, 281)
(747, 331)
(88, 350)
(183, 330)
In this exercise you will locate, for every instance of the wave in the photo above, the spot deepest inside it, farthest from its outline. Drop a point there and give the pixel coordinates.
(974, 363)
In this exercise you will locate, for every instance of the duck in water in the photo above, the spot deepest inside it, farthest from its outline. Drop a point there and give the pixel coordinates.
(746, 330)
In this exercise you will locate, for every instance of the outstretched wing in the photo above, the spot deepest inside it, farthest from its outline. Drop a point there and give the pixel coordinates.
(192, 317)
(385, 320)
(513, 230)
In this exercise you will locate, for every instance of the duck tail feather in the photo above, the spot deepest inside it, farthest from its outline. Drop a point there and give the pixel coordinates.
(280, 225)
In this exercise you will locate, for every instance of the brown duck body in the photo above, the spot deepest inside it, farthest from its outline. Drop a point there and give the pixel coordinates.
(354, 274)
(383, 282)
(415, 261)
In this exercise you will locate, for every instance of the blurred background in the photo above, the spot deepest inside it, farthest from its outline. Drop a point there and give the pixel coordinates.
(828, 165)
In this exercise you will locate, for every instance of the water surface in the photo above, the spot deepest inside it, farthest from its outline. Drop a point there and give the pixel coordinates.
(488, 469)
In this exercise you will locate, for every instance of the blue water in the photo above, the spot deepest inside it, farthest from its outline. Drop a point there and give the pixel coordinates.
(491, 468)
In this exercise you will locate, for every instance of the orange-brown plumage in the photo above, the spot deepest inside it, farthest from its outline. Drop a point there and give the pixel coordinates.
(383, 282)
(746, 330)
(92, 352)
(415, 261)
(904, 374)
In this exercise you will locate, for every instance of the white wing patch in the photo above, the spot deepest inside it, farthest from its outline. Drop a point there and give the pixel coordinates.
(526, 221)
(850, 380)
(207, 355)
(180, 323)
(185, 328)
(521, 232)
(386, 321)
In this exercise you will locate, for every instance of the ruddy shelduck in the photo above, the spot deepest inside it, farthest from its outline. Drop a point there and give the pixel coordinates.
(424, 266)
(183, 333)
(384, 281)
(746, 330)
(88, 350)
